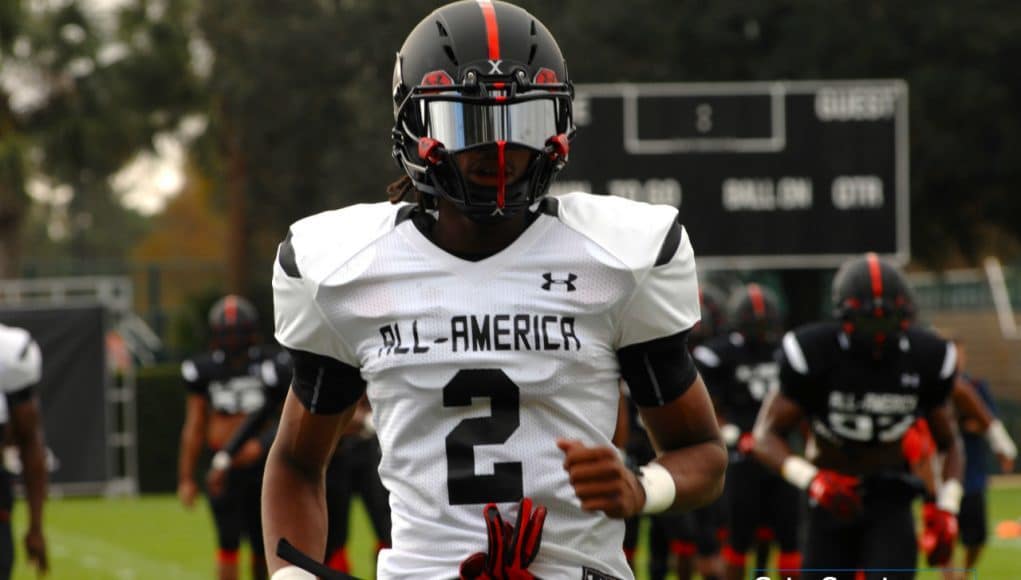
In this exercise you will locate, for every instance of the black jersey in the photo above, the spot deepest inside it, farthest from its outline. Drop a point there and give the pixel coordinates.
(276, 372)
(232, 388)
(738, 374)
(852, 398)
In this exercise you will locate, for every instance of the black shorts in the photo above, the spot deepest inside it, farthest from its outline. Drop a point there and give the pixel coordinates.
(972, 519)
(758, 497)
(707, 521)
(883, 538)
(237, 511)
(355, 469)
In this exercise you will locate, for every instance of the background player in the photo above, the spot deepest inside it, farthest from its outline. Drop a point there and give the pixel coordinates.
(980, 430)
(354, 467)
(20, 371)
(861, 380)
(741, 369)
(980, 435)
(223, 386)
(534, 311)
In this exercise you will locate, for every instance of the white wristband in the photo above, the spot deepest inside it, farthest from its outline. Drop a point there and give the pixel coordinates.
(659, 487)
(798, 471)
(731, 434)
(292, 573)
(1000, 441)
(949, 497)
(221, 460)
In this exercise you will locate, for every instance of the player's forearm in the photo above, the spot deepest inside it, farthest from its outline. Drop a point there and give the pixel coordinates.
(698, 471)
(953, 460)
(770, 449)
(191, 447)
(33, 458)
(248, 429)
(293, 507)
(970, 405)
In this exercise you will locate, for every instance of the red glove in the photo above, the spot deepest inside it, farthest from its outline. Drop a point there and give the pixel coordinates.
(918, 444)
(511, 548)
(746, 443)
(938, 537)
(837, 493)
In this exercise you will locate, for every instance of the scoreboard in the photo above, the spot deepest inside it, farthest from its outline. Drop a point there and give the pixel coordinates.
(784, 174)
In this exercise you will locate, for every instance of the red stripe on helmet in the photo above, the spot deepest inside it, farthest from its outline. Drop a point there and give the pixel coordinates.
(492, 31)
(876, 274)
(501, 176)
(230, 309)
(758, 302)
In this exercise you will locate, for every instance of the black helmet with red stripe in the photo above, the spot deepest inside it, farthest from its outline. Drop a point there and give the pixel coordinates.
(755, 314)
(233, 323)
(873, 302)
(484, 76)
(713, 303)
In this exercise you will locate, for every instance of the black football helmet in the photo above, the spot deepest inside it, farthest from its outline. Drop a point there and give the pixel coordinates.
(713, 319)
(873, 302)
(233, 323)
(481, 74)
(755, 314)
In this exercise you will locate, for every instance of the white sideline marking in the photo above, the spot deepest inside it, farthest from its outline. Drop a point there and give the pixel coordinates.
(128, 564)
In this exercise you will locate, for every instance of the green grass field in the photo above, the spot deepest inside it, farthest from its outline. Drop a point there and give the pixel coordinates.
(154, 538)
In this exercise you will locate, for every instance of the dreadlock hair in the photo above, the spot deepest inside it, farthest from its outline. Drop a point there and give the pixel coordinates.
(399, 191)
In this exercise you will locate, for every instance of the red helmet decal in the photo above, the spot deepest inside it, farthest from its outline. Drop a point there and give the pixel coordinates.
(545, 76)
(437, 78)
(876, 274)
(758, 302)
(230, 309)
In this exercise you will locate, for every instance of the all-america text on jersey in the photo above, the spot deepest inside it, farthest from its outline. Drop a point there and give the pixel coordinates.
(484, 332)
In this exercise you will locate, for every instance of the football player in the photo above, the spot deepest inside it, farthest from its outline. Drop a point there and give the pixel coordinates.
(862, 380)
(981, 432)
(490, 326)
(20, 371)
(352, 469)
(223, 387)
(742, 370)
(690, 537)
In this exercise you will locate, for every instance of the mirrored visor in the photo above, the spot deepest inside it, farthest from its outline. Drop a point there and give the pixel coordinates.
(459, 125)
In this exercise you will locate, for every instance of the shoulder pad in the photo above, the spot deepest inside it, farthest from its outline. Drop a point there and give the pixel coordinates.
(318, 245)
(633, 232)
(713, 352)
(937, 354)
(20, 359)
(13, 341)
(807, 348)
(200, 367)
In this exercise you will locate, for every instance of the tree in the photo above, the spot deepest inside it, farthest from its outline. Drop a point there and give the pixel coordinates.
(101, 97)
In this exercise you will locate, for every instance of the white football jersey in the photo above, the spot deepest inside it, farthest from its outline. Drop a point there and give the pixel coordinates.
(475, 368)
(20, 364)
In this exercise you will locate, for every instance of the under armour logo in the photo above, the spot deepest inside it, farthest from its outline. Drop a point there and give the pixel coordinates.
(550, 281)
(495, 67)
(910, 380)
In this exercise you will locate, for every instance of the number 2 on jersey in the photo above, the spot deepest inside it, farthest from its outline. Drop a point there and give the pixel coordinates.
(463, 485)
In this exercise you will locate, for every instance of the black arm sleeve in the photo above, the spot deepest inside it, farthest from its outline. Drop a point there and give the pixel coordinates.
(325, 385)
(657, 371)
(20, 396)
